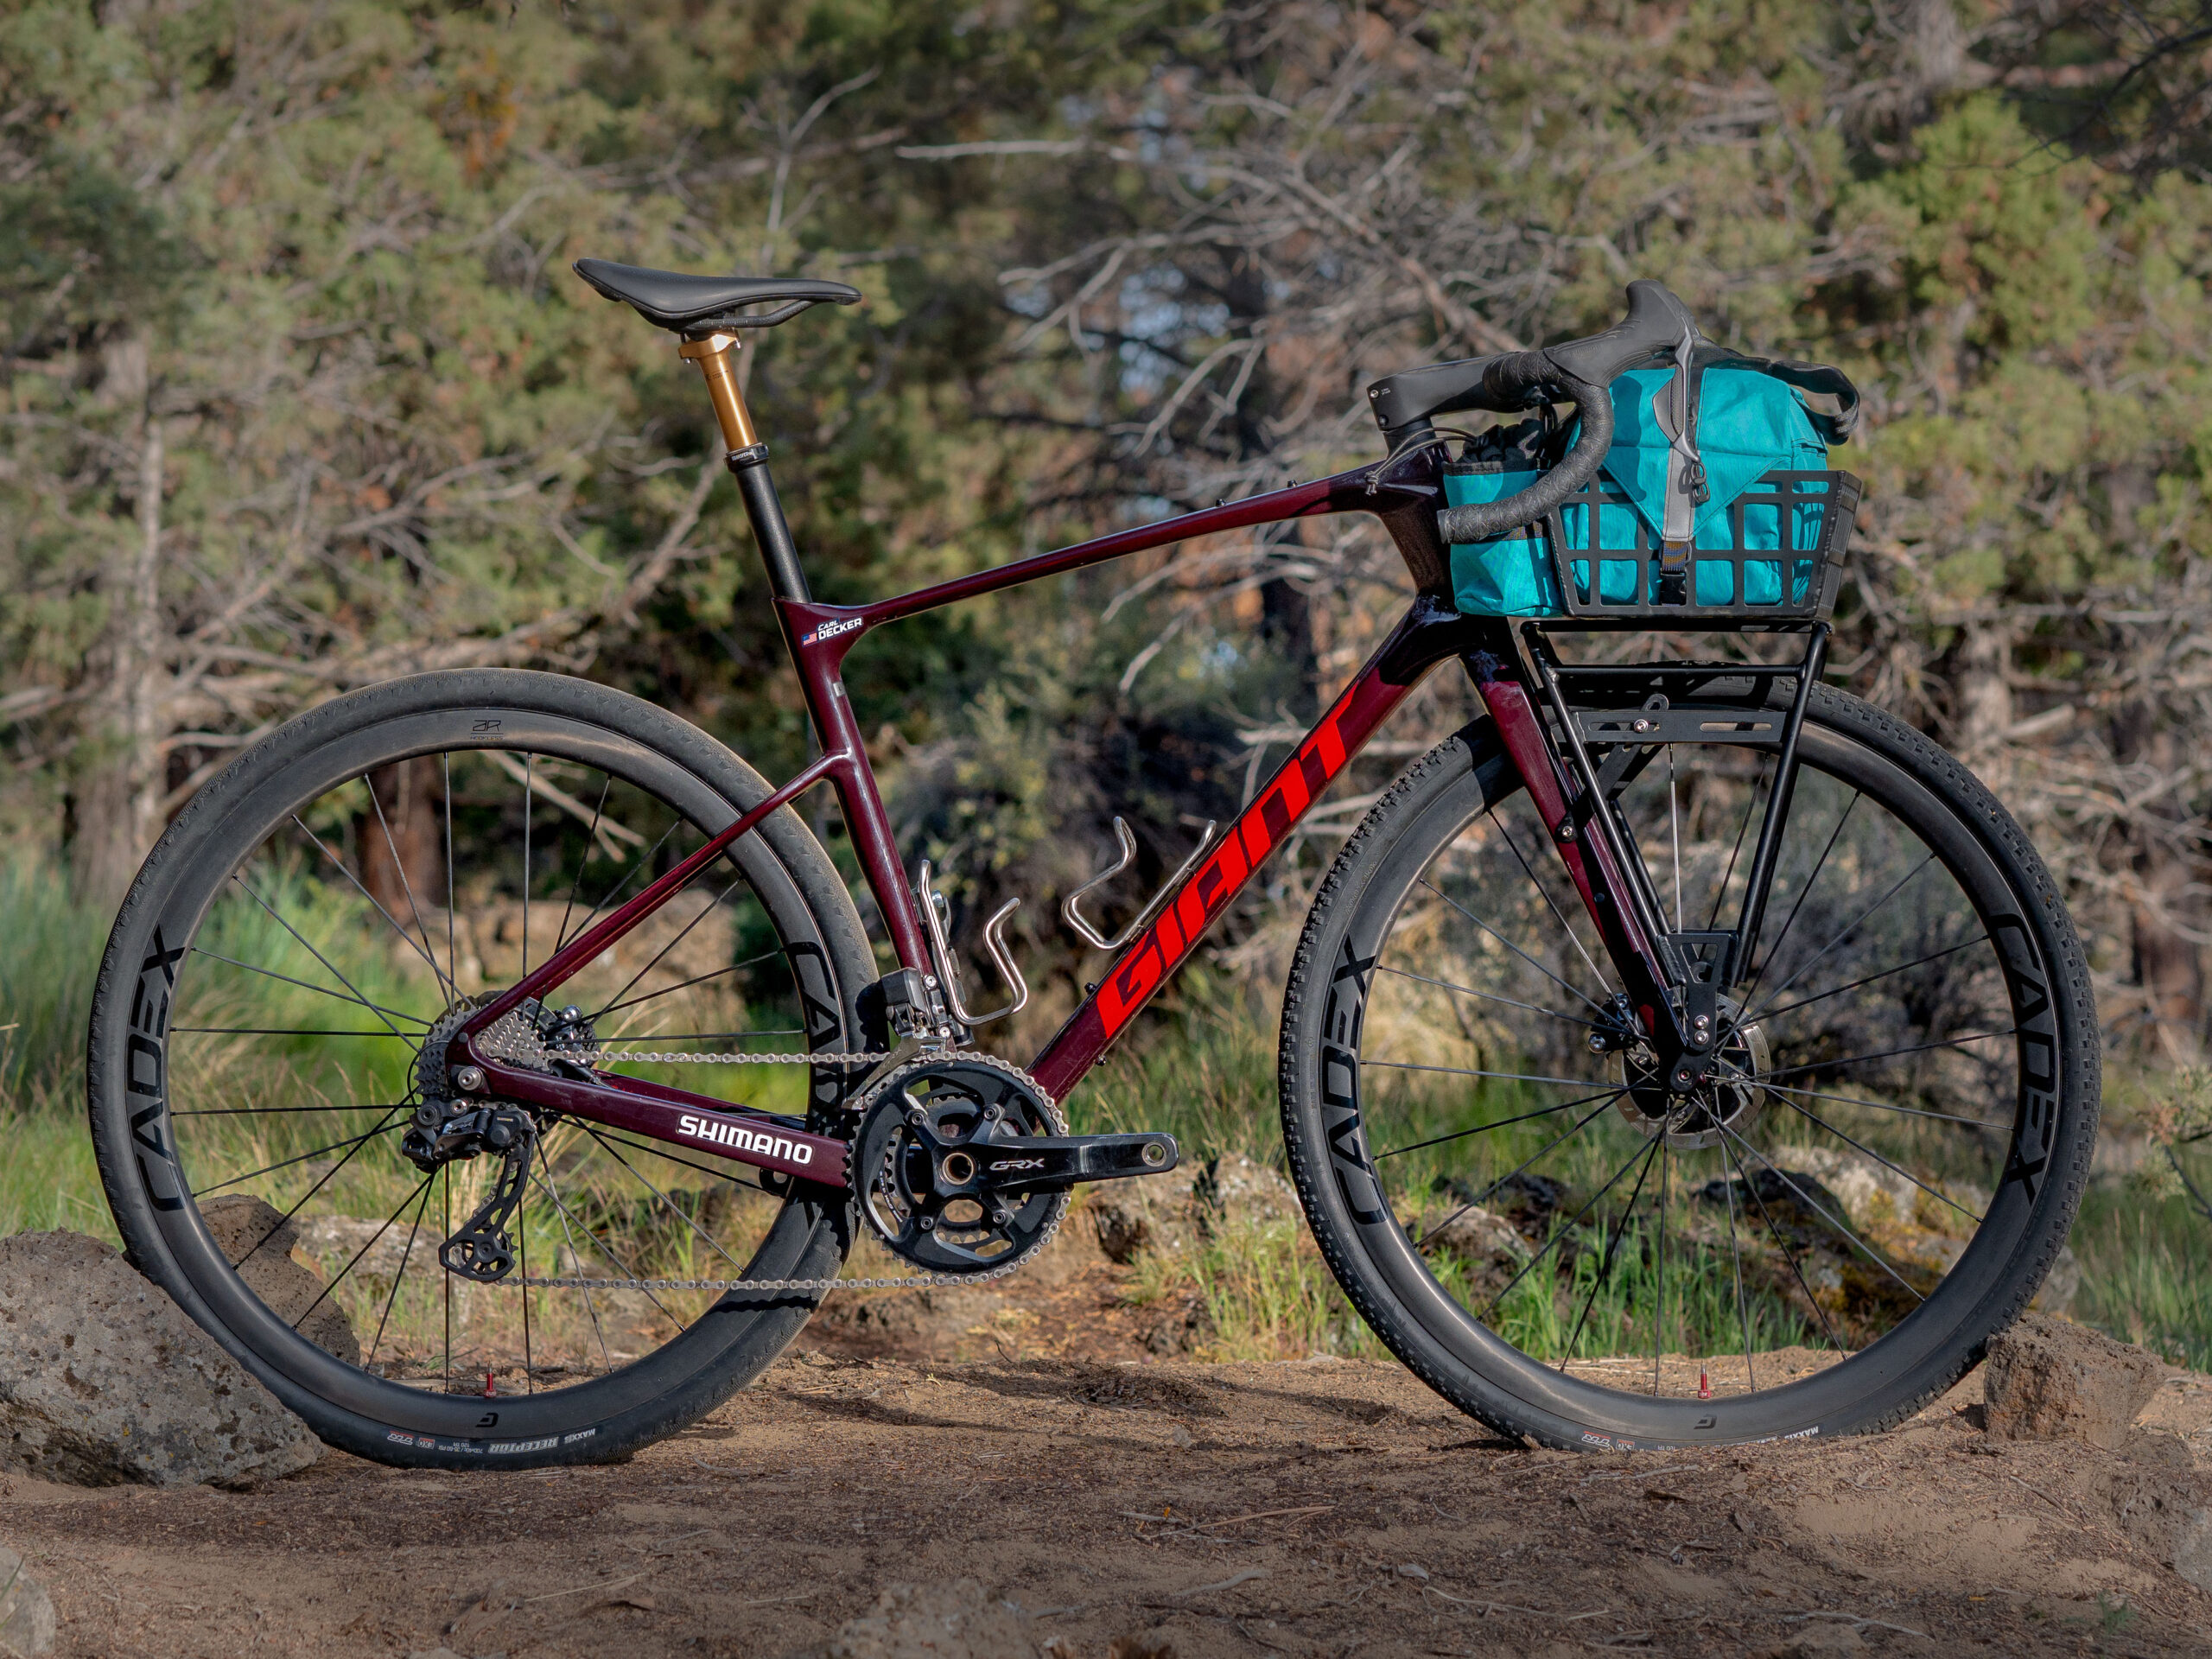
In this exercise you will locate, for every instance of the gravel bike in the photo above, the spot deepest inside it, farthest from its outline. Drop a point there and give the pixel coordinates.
(544, 959)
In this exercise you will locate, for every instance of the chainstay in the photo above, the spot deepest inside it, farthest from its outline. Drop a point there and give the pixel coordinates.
(610, 1056)
(922, 1281)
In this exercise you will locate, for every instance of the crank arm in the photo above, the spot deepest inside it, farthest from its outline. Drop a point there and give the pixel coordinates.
(1028, 1162)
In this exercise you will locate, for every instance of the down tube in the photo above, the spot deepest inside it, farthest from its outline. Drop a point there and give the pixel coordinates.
(1425, 636)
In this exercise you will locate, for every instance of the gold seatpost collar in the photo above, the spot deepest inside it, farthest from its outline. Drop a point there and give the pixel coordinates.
(716, 358)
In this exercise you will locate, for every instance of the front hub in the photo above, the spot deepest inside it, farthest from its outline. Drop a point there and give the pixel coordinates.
(1701, 1097)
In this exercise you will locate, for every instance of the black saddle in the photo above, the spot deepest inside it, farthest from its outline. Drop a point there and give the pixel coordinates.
(704, 305)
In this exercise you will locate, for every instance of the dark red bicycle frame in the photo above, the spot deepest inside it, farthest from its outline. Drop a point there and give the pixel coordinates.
(1405, 495)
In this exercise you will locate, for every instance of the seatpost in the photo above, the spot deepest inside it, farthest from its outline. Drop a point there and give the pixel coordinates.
(747, 460)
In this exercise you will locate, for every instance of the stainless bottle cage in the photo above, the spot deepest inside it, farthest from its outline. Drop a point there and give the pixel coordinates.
(1091, 936)
(934, 913)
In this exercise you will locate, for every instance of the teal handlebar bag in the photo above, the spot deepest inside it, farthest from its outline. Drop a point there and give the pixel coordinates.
(1736, 432)
(1513, 575)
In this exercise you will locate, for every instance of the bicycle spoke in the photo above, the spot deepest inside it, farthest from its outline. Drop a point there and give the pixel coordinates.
(706, 1237)
(269, 1111)
(1750, 800)
(701, 979)
(453, 958)
(389, 1014)
(329, 966)
(1903, 967)
(1491, 997)
(1782, 1244)
(1853, 927)
(406, 887)
(1463, 1072)
(1594, 1006)
(683, 934)
(1503, 1123)
(1881, 1105)
(1803, 893)
(591, 840)
(1566, 926)
(645, 862)
(1659, 1269)
(371, 897)
(1891, 1053)
(1674, 828)
(1742, 1305)
(590, 1307)
(724, 1175)
(356, 1142)
(288, 1030)
(1807, 1198)
(1814, 1117)
(607, 1250)
(529, 805)
(522, 1250)
(1605, 1266)
(423, 1190)
(1552, 1243)
(400, 1278)
(1491, 1190)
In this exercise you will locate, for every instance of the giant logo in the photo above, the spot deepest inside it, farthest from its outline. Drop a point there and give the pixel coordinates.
(1242, 851)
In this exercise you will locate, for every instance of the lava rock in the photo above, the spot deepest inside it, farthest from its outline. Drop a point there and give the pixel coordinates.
(260, 1242)
(1163, 1214)
(25, 1610)
(104, 1380)
(2049, 1380)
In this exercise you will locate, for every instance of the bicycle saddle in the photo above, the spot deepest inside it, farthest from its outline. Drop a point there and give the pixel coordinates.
(699, 305)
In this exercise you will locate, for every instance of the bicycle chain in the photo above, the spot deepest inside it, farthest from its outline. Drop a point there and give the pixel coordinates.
(924, 1281)
(594, 1056)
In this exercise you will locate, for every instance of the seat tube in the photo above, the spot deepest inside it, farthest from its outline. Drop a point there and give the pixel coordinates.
(747, 460)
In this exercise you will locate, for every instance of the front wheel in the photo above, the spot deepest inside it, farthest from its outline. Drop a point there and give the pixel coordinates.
(1881, 1176)
(317, 921)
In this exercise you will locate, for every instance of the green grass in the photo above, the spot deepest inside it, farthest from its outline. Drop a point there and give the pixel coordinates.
(2146, 1273)
(1207, 1073)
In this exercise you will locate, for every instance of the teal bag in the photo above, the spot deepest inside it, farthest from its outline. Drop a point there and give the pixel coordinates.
(1512, 576)
(1743, 423)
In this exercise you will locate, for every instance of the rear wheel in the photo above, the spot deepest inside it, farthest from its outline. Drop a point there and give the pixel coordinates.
(1881, 1177)
(346, 891)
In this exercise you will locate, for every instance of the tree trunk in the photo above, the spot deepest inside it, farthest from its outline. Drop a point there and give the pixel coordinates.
(118, 802)
(402, 840)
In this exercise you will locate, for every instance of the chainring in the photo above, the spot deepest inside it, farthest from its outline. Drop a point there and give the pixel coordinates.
(914, 1169)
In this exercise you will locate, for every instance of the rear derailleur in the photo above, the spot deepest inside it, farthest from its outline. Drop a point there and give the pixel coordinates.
(451, 1126)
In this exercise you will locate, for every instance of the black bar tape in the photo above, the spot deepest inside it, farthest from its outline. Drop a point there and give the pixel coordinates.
(1490, 520)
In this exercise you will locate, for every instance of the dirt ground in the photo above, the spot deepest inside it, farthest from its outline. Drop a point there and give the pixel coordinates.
(1316, 1508)
(1109, 1501)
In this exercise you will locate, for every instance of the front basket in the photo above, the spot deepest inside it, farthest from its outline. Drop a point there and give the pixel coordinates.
(1774, 554)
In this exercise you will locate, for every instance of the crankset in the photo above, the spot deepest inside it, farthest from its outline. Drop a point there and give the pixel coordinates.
(963, 1165)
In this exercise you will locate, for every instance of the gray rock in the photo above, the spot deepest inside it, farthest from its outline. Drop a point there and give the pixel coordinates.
(256, 1240)
(104, 1380)
(25, 1610)
(936, 1621)
(1163, 1214)
(2048, 1380)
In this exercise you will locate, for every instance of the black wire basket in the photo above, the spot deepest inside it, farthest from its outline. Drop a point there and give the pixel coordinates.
(1774, 555)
